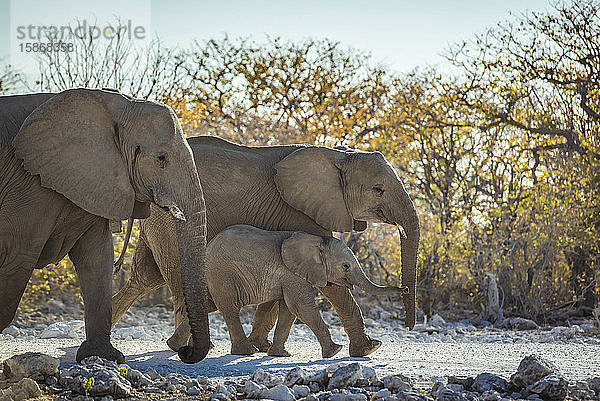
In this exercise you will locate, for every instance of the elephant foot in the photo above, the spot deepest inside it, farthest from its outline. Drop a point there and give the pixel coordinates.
(278, 351)
(331, 350)
(243, 348)
(104, 350)
(262, 345)
(364, 348)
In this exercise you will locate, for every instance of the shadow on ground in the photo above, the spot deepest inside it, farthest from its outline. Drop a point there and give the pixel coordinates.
(166, 361)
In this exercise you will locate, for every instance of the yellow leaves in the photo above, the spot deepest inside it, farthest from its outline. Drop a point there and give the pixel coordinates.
(60, 281)
(50, 282)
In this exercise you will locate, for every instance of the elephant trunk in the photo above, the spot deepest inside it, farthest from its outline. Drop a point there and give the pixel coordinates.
(359, 279)
(191, 237)
(410, 235)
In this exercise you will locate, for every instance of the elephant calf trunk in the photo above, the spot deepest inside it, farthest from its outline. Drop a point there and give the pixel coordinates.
(363, 282)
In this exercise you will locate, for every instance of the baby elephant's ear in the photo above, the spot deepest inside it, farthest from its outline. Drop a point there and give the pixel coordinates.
(301, 254)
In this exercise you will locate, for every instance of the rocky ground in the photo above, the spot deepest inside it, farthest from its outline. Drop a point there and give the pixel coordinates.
(465, 360)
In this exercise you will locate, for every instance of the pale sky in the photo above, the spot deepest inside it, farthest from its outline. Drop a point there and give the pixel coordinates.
(401, 34)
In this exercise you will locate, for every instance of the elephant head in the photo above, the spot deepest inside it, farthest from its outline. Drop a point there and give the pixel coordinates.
(342, 190)
(112, 156)
(323, 260)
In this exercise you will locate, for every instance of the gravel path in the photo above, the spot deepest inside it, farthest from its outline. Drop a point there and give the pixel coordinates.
(422, 361)
(448, 349)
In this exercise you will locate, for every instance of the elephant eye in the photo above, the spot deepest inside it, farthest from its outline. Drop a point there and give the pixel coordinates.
(378, 190)
(346, 266)
(162, 160)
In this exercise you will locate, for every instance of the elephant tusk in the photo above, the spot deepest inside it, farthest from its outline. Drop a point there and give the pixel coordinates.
(402, 232)
(177, 213)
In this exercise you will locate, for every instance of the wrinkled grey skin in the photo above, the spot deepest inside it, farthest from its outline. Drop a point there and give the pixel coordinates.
(260, 266)
(301, 188)
(69, 163)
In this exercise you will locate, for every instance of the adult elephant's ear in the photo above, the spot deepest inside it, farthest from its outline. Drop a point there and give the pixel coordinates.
(70, 141)
(310, 180)
(301, 254)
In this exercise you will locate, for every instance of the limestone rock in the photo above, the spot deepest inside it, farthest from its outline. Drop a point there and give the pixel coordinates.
(412, 395)
(96, 377)
(31, 364)
(464, 381)
(345, 376)
(300, 391)
(320, 376)
(295, 376)
(397, 382)
(12, 331)
(63, 329)
(488, 381)
(531, 369)
(582, 391)
(22, 390)
(279, 393)
(265, 378)
(253, 390)
(551, 388)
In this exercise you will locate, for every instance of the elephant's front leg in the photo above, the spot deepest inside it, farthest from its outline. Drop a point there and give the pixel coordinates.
(352, 319)
(92, 256)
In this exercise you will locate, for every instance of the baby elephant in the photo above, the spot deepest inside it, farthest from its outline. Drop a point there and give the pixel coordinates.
(247, 265)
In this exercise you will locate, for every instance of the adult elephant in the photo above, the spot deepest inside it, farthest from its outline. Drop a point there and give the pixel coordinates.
(303, 188)
(69, 163)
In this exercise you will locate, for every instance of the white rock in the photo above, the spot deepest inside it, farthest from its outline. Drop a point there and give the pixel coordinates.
(345, 376)
(253, 390)
(134, 332)
(294, 376)
(397, 382)
(268, 379)
(300, 391)
(63, 330)
(368, 373)
(320, 376)
(279, 393)
(11, 331)
(381, 394)
(437, 320)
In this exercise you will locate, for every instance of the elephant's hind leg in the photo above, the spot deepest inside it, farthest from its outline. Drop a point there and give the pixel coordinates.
(285, 320)
(12, 285)
(92, 256)
(145, 277)
(262, 323)
(239, 343)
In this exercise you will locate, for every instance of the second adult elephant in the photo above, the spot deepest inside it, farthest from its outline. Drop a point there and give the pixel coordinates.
(285, 188)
